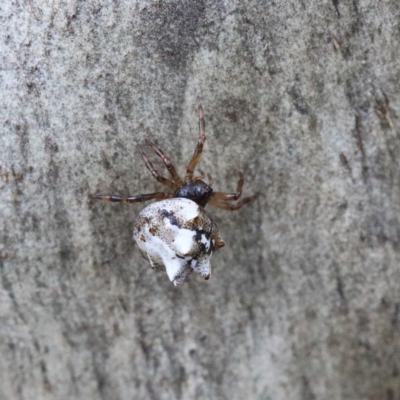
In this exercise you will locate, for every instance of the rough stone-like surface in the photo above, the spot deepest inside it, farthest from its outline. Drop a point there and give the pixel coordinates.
(303, 96)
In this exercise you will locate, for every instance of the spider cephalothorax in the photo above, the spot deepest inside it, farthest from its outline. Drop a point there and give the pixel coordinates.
(198, 191)
(177, 232)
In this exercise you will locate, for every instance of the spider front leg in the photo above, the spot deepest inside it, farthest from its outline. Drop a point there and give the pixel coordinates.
(133, 199)
(199, 147)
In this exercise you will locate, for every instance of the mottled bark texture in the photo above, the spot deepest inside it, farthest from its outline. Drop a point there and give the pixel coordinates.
(304, 300)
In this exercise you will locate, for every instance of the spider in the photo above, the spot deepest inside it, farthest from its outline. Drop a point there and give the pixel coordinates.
(192, 188)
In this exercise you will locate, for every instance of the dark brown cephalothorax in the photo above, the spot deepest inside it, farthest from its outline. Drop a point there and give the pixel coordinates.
(192, 188)
(198, 191)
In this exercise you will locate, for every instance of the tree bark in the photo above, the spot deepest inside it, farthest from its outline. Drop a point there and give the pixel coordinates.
(303, 97)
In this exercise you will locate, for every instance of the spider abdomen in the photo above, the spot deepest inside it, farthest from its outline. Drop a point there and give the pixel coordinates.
(197, 191)
(179, 235)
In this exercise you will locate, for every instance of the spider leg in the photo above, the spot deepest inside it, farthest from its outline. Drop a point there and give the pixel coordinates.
(133, 199)
(229, 206)
(167, 162)
(230, 196)
(154, 172)
(199, 147)
(210, 179)
(200, 177)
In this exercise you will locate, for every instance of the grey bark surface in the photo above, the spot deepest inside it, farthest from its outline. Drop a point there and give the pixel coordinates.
(304, 300)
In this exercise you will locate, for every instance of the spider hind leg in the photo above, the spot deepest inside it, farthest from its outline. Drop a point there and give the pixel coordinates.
(133, 199)
(222, 200)
(232, 207)
(167, 162)
(154, 172)
(231, 196)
